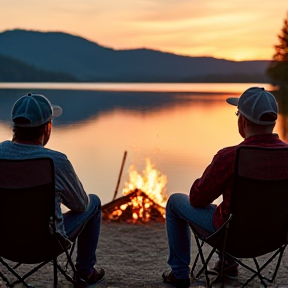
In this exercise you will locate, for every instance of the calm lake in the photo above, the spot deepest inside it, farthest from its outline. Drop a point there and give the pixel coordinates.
(178, 126)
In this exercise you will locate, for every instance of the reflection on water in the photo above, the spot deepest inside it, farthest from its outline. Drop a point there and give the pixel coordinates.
(180, 132)
(80, 106)
(140, 87)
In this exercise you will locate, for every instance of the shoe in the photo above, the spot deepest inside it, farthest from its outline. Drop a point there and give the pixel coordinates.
(230, 270)
(91, 277)
(170, 279)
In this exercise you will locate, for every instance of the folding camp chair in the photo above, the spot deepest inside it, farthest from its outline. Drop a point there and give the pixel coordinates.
(27, 220)
(258, 223)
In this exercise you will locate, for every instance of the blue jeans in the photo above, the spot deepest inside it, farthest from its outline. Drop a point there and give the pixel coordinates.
(85, 226)
(179, 213)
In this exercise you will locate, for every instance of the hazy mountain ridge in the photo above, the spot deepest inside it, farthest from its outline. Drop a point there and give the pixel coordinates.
(12, 70)
(88, 61)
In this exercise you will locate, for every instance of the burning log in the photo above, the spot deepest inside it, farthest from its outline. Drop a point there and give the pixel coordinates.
(144, 197)
(134, 207)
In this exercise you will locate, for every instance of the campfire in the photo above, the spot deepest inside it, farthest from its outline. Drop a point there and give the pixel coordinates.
(144, 197)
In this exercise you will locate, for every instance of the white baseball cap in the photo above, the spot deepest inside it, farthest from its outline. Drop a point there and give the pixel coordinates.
(35, 108)
(254, 103)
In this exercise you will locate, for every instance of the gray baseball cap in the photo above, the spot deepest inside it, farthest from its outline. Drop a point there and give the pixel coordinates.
(255, 102)
(35, 108)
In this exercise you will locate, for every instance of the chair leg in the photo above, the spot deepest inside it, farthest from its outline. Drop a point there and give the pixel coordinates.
(204, 262)
(5, 279)
(259, 269)
(278, 263)
(70, 255)
(197, 257)
(259, 274)
(14, 272)
(209, 283)
(222, 276)
(200, 253)
(55, 272)
(222, 269)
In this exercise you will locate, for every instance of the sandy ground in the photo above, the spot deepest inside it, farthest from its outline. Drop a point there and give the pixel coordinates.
(136, 256)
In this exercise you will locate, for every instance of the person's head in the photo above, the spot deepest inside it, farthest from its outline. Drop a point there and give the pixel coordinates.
(32, 116)
(257, 111)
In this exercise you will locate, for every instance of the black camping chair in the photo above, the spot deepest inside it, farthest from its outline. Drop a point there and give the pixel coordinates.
(258, 223)
(27, 220)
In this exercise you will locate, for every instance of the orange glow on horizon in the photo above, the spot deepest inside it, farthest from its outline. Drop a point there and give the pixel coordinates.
(221, 29)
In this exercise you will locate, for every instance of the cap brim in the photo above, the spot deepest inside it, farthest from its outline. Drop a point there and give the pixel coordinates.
(57, 111)
(232, 101)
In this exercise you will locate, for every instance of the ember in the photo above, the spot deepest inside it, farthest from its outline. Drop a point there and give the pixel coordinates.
(144, 197)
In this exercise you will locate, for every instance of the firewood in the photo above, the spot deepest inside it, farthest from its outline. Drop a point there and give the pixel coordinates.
(112, 211)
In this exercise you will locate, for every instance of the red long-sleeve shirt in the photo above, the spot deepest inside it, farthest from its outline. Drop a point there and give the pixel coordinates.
(217, 178)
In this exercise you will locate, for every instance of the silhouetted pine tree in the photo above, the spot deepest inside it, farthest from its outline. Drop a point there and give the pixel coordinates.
(278, 69)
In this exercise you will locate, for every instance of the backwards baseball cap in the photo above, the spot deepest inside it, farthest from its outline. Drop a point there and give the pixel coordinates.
(36, 110)
(254, 103)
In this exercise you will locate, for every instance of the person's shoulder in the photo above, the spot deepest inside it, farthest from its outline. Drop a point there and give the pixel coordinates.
(281, 142)
(61, 161)
(7, 145)
(55, 154)
(226, 155)
(228, 150)
(6, 142)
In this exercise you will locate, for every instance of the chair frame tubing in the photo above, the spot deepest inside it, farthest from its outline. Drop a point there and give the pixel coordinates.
(256, 272)
(56, 268)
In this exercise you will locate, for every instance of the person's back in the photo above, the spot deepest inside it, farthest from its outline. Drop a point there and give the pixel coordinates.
(32, 117)
(64, 185)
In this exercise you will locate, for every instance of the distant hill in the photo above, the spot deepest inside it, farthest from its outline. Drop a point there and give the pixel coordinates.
(12, 70)
(58, 52)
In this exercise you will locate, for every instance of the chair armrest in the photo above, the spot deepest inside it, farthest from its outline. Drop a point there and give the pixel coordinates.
(225, 225)
(205, 235)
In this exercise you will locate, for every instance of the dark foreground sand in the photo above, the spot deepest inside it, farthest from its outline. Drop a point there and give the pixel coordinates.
(135, 256)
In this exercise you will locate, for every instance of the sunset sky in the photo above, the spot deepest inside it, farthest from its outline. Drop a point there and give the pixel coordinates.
(229, 29)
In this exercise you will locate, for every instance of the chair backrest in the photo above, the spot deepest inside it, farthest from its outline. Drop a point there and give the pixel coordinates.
(259, 202)
(27, 205)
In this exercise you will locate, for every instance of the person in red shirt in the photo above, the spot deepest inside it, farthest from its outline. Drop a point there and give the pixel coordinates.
(257, 115)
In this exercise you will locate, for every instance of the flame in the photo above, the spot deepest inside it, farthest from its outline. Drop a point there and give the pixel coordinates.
(124, 206)
(115, 214)
(152, 183)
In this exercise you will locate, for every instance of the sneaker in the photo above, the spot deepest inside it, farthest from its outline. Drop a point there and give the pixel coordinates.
(230, 270)
(170, 279)
(91, 276)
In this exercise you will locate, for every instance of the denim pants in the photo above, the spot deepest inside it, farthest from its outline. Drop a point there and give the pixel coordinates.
(179, 213)
(85, 226)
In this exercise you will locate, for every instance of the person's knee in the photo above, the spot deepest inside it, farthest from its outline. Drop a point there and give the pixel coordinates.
(174, 200)
(95, 201)
(175, 197)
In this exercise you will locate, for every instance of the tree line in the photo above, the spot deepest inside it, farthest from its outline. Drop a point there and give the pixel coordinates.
(12, 70)
(278, 68)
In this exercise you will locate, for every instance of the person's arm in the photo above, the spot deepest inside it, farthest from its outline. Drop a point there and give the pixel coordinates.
(213, 181)
(69, 186)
